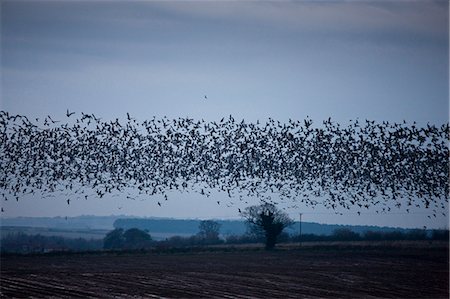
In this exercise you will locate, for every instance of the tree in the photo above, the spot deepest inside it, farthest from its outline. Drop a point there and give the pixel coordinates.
(440, 234)
(132, 238)
(267, 220)
(136, 239)
(114, 239)
(345, 234)
(209, 231)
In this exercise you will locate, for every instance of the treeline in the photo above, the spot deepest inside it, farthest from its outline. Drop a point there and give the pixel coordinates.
(349, 235)
(338, 235)
(117, 239)
(136, 239)
(25, 243)
(208, 234)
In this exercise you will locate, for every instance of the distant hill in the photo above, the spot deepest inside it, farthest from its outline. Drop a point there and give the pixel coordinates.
(79, 222)
(163, 227)
(235, 227)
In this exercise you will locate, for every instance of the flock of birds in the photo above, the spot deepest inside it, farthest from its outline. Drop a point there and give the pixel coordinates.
(362, 164)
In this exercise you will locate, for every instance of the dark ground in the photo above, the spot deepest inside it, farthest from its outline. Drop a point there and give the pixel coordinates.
(332, 272)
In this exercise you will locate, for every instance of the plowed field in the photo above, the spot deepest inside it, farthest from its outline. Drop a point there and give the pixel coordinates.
(309, 272)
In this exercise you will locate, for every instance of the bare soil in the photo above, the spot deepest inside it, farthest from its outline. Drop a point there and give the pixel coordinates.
(308, 272)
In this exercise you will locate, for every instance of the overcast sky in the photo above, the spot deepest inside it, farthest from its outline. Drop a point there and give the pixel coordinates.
(380, 60)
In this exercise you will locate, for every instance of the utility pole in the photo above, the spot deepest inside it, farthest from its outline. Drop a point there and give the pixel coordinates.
(300, 230)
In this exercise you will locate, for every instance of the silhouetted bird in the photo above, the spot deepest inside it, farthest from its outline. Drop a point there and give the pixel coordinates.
(68, 114)
(361, 164)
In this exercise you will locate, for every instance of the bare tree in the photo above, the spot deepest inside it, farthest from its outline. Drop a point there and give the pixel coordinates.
(209, 230)
(267, 220)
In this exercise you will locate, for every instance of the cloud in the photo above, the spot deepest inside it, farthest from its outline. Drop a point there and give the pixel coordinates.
(73, 35)
(426, 17)
(167, 21)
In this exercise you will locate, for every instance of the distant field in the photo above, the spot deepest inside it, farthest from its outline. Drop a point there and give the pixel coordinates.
(313, 271)
(400, 244)
(74, 232)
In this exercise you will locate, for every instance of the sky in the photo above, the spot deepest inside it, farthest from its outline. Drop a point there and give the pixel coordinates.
(368, 59)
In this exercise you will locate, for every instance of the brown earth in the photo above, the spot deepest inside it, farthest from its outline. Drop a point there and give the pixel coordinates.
(309, 272)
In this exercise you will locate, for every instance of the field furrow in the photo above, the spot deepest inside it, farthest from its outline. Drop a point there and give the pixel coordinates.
(311, 273)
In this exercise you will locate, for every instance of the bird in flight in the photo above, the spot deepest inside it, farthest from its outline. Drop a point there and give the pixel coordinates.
(228, 156)
(68, 114)
(205, 97)
(53, 121)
